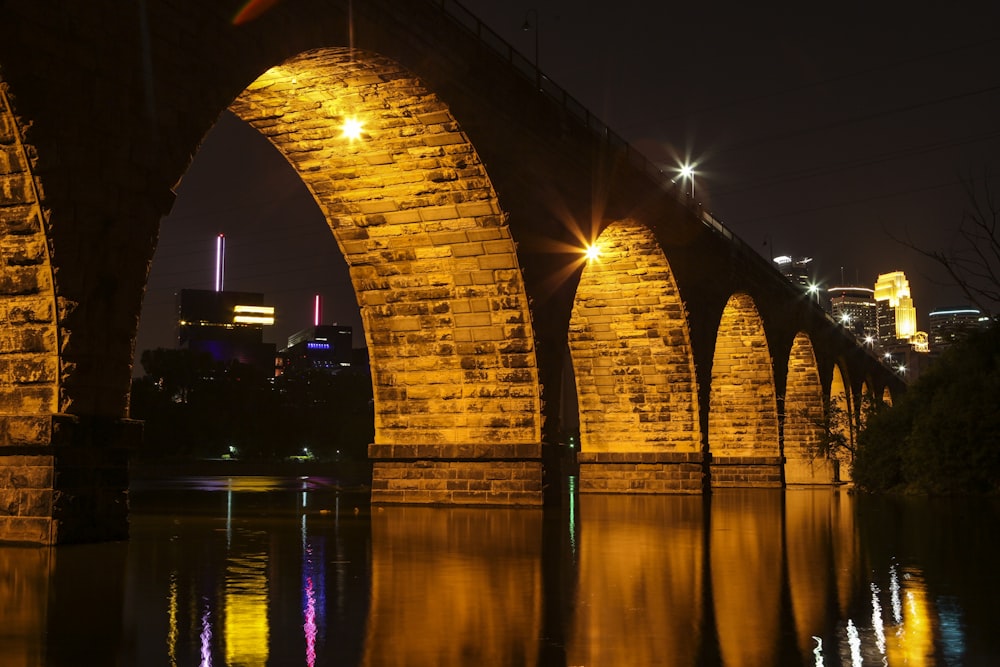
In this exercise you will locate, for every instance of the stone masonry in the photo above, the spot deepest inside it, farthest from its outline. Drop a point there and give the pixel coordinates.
(459, 210)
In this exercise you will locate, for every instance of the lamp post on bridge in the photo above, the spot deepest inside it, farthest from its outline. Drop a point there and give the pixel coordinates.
(687, 173)
(528, 25)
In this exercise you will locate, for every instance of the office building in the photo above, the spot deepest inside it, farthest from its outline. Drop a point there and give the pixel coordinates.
(855, 309)
(227, 325)
(324, 348)
(951, 324)
(797, 271)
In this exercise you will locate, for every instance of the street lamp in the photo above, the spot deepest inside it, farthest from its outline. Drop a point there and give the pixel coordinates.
(529, 25)
(687, 172)
(813, 291)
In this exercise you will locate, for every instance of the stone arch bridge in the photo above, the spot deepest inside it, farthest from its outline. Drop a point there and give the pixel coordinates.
(463, 210)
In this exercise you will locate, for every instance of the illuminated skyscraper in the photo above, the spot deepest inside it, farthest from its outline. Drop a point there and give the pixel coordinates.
(854, 308)
(796, 270)
(897, 317)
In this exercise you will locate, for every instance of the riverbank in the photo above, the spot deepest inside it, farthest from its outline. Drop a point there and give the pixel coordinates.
(351, 474)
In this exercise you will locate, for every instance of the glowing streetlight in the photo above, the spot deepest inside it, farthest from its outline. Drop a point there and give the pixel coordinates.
(845, 319)
(869, 340)
(592, 252)
(351, 128)
(687, 173)
(813, 291)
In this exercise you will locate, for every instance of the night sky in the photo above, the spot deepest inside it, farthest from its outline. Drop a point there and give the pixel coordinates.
(820, 135)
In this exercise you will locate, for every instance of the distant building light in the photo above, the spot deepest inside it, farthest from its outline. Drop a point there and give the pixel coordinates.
(851, 289)
(313, 345)
(783, 259)
(957, 311)
(253, 315)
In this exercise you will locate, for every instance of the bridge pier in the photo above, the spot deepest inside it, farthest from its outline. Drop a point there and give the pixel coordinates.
(448, 474)
(64, 478)
(641, 472)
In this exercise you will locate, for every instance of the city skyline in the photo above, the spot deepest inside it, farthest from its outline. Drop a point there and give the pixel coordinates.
(820, 138)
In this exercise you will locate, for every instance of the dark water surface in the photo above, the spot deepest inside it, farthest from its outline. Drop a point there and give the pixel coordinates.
(290, 571)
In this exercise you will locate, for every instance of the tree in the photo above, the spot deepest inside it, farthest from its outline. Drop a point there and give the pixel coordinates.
(943, 434)
(972, 261)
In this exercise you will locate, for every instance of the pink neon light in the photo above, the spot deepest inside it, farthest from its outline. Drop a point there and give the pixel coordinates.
(220, 261)
(317, 311)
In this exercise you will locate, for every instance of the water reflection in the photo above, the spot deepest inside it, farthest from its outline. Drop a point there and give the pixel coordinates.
(294, 572)
(639, 597)
(454, 586)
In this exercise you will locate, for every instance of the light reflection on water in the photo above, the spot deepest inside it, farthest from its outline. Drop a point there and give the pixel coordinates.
(290, 571)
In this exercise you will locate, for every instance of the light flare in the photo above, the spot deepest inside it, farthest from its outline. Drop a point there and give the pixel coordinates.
(352, 128)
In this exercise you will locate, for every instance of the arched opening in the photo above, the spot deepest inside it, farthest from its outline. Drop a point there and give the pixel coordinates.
(743, 412)
(887, 396)
(631, 349)
(805, 460)
(635, 378)
(839, 411)
(429, 253)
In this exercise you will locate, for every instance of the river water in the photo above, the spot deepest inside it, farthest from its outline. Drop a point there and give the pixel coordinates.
(293, 571)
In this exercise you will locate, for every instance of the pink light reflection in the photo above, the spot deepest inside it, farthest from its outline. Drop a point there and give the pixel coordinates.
(309, 626)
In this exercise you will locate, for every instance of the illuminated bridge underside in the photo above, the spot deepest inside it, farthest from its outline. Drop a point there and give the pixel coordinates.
(634, 370)
(804, 418)
(743, 414)
(434, 270)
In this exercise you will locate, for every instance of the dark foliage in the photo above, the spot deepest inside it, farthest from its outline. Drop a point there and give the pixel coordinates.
(196, 408)
(943, 435)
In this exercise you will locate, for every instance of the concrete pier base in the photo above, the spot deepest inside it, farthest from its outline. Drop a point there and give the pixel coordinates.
(498, 475)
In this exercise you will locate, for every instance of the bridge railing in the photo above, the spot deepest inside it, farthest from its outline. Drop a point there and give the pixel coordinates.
(528, 68)
(530, 71)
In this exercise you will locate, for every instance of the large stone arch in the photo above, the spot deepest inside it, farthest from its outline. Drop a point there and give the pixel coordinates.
(432, 263)
(29, 346)
(803, 425)
(635, 375)
(743, 413)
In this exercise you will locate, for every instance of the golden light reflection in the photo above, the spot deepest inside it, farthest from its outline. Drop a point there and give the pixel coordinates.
(24, 594)
(912, 641)
(745, 544)
(641, 577)
(351, 129)
(809, 548)
(246, 599)
(455, 587)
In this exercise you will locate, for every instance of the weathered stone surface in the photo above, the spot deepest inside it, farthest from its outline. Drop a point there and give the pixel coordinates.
(455, 220)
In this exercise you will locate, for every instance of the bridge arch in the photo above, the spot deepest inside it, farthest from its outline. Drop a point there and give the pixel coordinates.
(428, 248)
(743, 413)
(635, 375)
(803, 424)
(30, 382)
(431, 260)
(631, 349)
